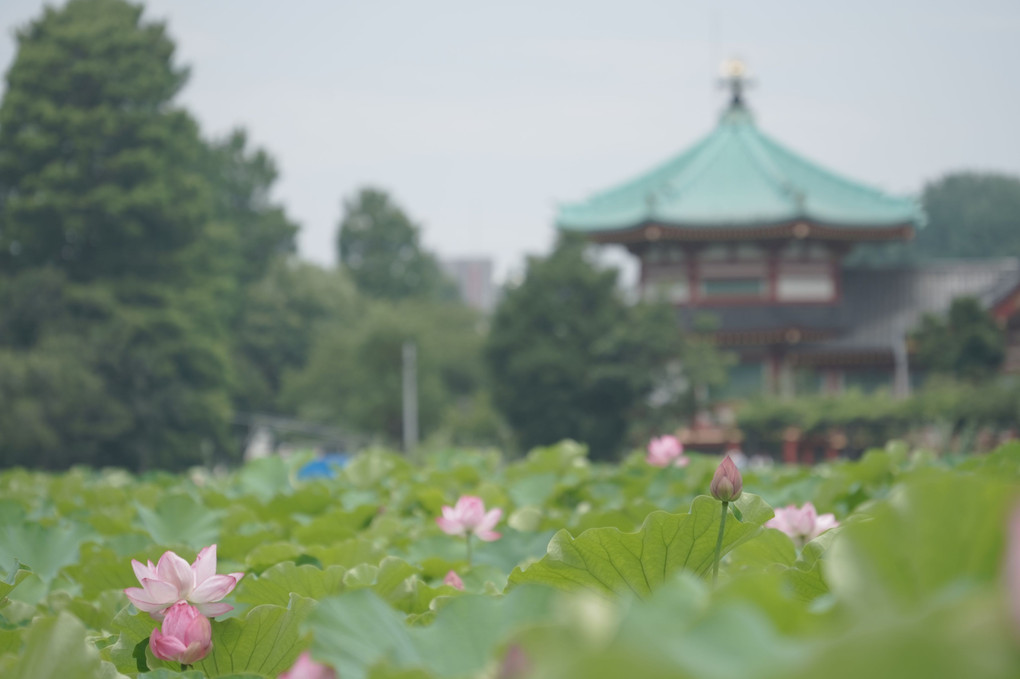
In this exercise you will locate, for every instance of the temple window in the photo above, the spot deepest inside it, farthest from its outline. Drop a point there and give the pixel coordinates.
(676, 292)
(664, 252)
(732, 287)
(805, 287)
(805, 251)
(672, 290)
(714, 253)
(747, 251)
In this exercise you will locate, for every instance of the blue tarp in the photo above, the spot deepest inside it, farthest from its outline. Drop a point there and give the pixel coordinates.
(325, 467)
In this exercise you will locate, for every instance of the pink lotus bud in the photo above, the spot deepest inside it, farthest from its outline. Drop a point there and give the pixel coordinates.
(186, 636)
(306, 668)
(727, 484)
(516, 663)
(468, 516)
(453, 580)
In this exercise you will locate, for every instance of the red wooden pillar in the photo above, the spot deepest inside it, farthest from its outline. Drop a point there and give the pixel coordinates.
(791, 442)
(772, 273)
(830, 451)
(643, 274)
(835, 443)
(774, 360)
(693, 277)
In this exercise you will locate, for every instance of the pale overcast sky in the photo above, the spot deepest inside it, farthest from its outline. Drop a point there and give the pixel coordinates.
(480, 116)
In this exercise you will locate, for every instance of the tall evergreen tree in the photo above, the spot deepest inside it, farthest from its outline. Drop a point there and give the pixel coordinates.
(98, 170)
(380, 247)
(241, 179)
(101, 184)
(283, 314)
(965, 343)
(269, 302)
(971, 215)
(568, 358)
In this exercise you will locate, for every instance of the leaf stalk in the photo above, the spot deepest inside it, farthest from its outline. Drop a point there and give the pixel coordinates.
(718, 543)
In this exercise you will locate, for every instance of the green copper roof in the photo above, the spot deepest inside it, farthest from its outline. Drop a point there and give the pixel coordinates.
(737, 176)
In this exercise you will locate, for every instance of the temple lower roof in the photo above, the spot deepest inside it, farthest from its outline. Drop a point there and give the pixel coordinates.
(878, 308)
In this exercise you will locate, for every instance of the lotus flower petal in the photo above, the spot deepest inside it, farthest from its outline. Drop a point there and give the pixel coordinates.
(450, 526)
(453, 580)
(727, 483)
(143, 571)
(185, 636)
(213, 589)
(211, 610)
(157, 590)
(306, 668)
(175, 571)
(490, 519)
(204, 566)
(488, 535)
(166, 648)
(142, 601)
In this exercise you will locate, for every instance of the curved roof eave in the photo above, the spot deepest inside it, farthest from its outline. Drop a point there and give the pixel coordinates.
(738, 177)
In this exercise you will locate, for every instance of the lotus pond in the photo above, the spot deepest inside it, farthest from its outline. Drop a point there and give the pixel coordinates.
(591, 571)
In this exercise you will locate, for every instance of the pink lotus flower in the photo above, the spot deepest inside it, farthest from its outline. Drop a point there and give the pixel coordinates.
(172, 580)
(469, 517)
(516, 663)
(803, 524)
(306, 668)
(1013, 567)
(186, 636)
(666, 450)
(453, 580)
(727, 483)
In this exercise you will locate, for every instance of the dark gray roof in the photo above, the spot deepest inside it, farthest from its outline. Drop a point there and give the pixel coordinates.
(879, 306)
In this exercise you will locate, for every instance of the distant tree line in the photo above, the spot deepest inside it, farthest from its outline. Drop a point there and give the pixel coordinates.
(149, 288)
(969, 215)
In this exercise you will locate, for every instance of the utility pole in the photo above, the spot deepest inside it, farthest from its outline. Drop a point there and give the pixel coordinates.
(410, 355)
(901, 362)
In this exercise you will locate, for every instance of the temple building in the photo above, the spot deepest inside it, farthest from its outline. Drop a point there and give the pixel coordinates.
(749, 232)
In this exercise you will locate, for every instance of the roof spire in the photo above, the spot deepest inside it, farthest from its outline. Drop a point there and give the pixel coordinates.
(735, 75)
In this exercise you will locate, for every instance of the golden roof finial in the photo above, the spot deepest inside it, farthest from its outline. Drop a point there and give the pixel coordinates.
(735, 74)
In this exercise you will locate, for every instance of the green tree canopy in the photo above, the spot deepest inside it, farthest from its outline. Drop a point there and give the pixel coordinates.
(270, 302)
(241, 179)
(971, 214)
(380, 247)
(118, 352)
(283, 314)
(98, 170)
(353, 376)
(108, 374)
(568, 358)
(967, 343)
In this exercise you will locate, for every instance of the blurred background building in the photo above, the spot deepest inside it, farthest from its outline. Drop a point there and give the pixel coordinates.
(473, 276)
(742, 229)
